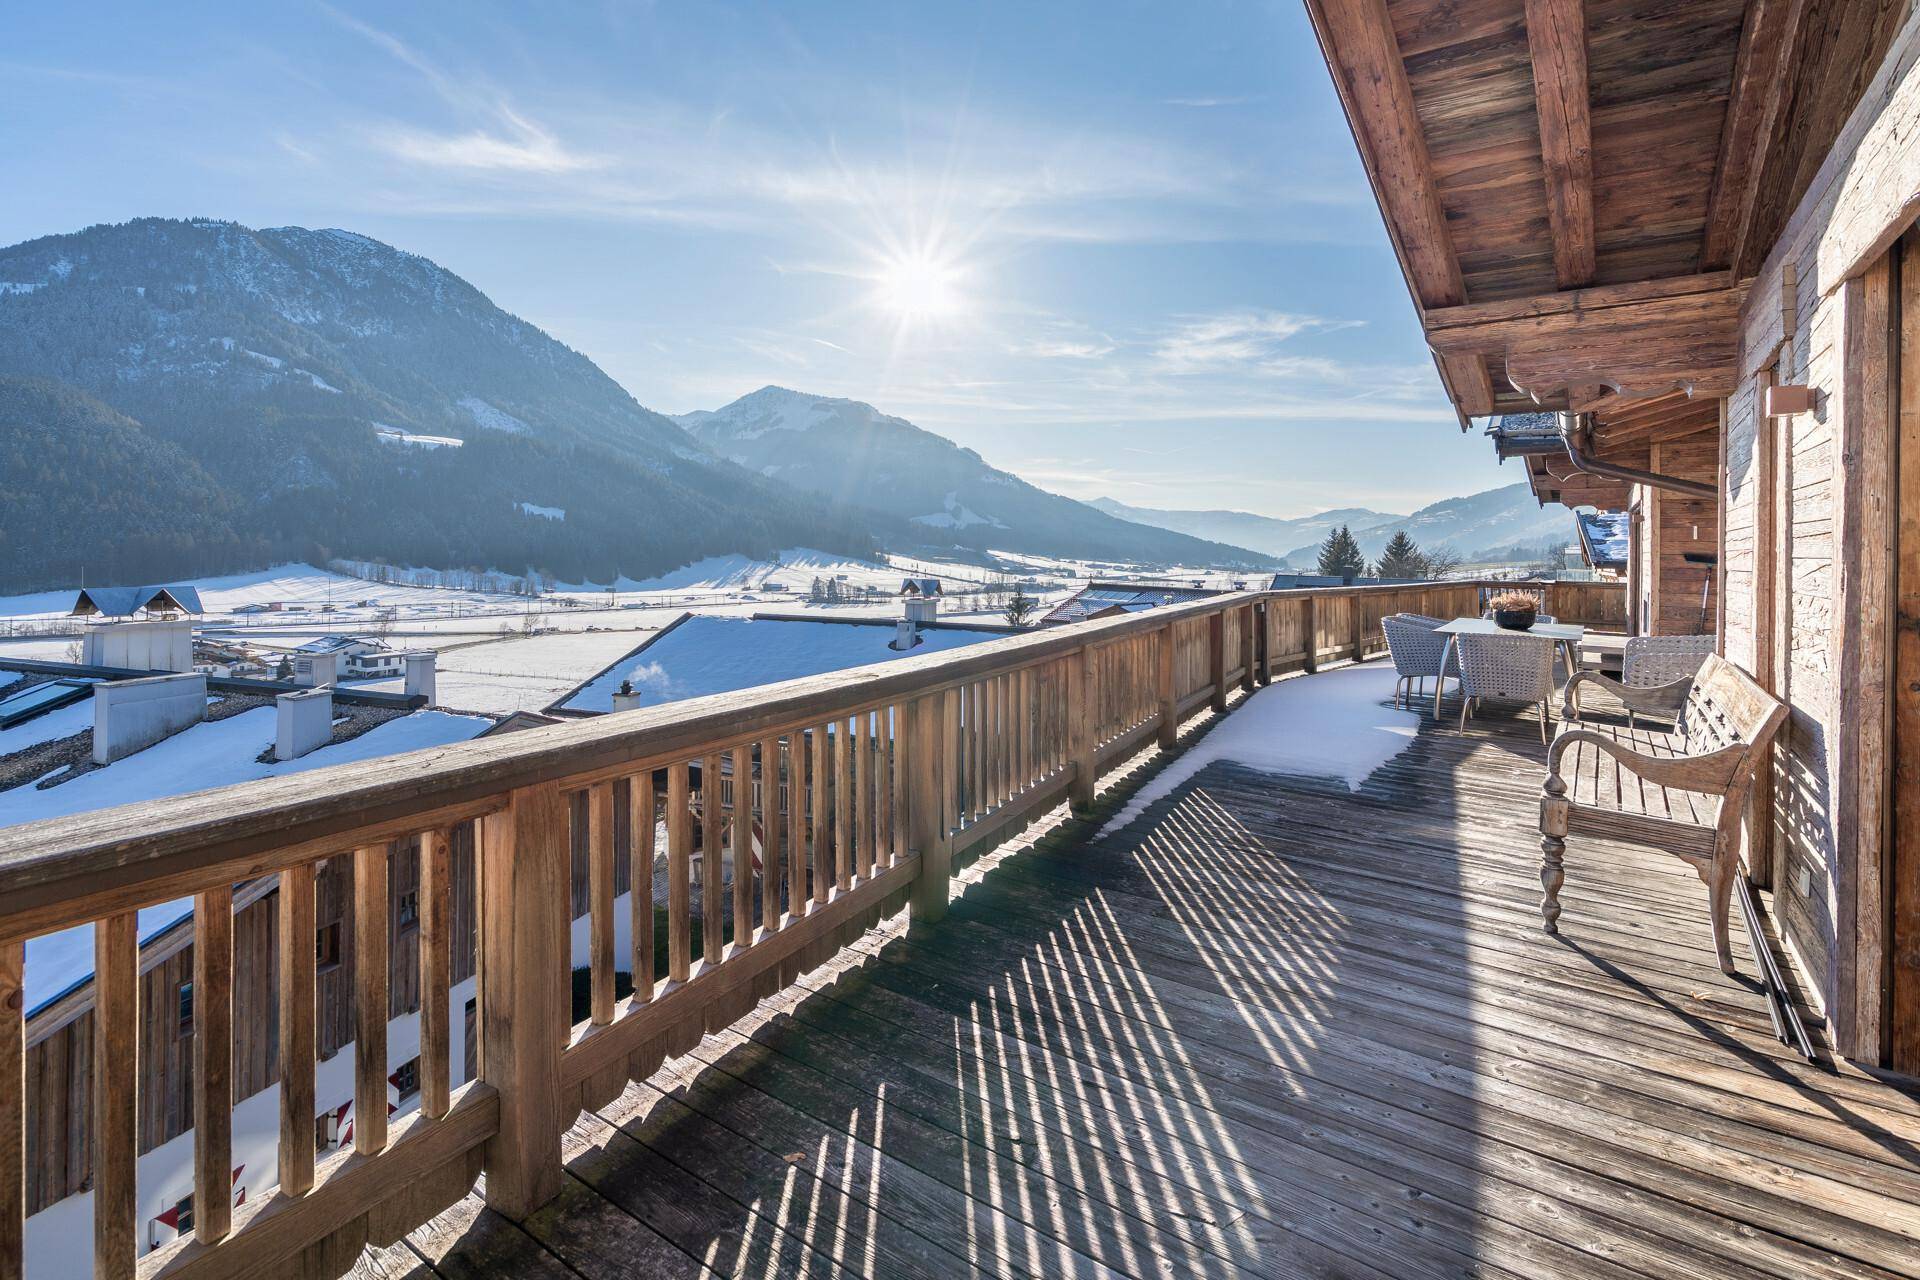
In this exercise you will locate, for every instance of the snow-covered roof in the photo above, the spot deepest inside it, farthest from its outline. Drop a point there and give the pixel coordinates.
(213, 754)
(920, 586)
(124, 602)
(1126, 597)
(339, 644)
(1604, 538)
(701, 655)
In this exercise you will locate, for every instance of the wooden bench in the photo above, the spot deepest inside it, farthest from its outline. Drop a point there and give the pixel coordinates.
(1682, 790)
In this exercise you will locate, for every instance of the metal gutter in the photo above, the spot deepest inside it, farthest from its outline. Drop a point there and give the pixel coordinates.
(1572, 428)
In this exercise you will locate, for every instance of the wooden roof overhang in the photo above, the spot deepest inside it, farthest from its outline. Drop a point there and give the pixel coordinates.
(1580, 190)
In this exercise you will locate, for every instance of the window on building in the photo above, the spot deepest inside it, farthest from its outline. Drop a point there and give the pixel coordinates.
(185, 1008)
(410, 909)
(183, 1217)
(326, 946)
(326, 1131)
(406, 1079)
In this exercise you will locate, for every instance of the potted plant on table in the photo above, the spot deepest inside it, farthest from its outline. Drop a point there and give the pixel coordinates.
(1514, 610)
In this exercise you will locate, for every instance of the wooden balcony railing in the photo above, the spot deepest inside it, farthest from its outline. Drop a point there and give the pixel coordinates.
(902, 767)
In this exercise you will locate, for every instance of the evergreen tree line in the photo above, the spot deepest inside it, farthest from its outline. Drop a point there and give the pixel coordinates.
(1340, 556)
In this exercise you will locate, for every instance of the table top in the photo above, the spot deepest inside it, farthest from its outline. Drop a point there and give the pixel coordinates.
(1566, 632)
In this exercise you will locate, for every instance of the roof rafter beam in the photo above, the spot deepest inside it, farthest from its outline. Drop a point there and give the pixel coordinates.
(1557, 40)
(1768, 37)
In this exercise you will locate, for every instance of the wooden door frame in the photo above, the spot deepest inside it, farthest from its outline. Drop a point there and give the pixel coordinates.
(1860, 747)
(1903, 958)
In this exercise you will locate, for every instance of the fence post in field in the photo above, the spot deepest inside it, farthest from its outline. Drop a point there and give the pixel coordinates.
(1082, 720)
(1166, 689)
(525, 995)
(925, 732)
(1217, 658)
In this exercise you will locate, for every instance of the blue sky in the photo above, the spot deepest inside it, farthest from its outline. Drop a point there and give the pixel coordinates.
(1119, 248)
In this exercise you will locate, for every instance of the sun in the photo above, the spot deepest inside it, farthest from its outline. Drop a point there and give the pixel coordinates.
(919, 286)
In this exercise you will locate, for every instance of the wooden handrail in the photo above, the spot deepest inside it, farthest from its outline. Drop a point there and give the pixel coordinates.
(831, 801)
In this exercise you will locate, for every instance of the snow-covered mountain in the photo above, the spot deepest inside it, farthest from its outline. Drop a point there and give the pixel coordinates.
(1243, 528)
(1489, 525)
(949, 496)
(347, 398)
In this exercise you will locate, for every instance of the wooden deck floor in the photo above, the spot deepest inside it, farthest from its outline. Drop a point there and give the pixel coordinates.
(1274, 1029)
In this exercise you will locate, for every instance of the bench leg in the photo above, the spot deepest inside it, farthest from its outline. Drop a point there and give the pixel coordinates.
(1553, 849)
(1719, 906)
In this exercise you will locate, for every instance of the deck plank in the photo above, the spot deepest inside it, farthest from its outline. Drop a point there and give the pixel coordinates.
(1272, 1027)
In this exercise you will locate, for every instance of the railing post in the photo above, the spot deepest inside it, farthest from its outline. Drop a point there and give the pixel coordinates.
(1081, 696)
(1357, 620)
(1248, 648)
(1310, 625)
(1217, 658)
(1166, 691)
(1266, 641)
(924, 734)
(525, 999)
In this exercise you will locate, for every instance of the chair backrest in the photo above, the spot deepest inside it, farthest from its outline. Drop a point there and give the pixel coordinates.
(1413, 644)
(1657, 660)
(1517, 667)
(1726, 708)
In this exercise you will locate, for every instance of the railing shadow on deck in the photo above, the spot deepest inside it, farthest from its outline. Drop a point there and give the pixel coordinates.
(901, 769)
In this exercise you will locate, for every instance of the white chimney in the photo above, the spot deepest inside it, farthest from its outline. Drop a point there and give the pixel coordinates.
(304, 723)
(420, 675)
(906, 634)
(624, 698)
(920, 609)
(311, 670)
(132, 715)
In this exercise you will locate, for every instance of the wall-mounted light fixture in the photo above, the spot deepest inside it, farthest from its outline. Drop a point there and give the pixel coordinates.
(1785, 401)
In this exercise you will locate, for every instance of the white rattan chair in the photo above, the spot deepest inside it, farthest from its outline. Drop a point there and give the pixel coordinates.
(1419, 652)
(1505, 668)
(1655, 674)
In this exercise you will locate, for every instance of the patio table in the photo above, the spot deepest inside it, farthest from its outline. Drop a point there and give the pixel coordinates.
(1565, 635)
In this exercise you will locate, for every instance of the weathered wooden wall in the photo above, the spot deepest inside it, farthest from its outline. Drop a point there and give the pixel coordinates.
(1805, 544)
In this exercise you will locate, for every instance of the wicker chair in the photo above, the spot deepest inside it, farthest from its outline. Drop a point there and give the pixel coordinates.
(1515, 668)
(1655, 674)
(1418, 651)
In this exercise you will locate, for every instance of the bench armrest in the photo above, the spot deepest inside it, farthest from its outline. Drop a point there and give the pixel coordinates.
(1710, 774)
(1656, 698)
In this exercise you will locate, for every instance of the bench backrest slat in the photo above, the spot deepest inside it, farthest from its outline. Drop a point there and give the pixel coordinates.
(1725, 708)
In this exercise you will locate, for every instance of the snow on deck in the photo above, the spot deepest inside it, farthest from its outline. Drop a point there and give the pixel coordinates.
(706, 655)
(1336, 724)
(207, 755)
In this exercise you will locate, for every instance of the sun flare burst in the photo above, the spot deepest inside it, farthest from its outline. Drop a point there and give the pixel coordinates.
(919, 286)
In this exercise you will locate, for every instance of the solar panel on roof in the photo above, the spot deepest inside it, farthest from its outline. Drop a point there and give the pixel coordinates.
(40, 699)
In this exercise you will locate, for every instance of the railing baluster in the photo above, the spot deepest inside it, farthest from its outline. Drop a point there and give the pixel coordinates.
(822, 843)
(372, 906)
(862, 748)
(770, 863)
(13, 1109)
(641, 835)
(116, 1090)
(712, 904)
(296, 1029)
(600, 895)
(796, 825)
(926, 730)
(436, 937)
(742, 847)
(679, 875)
(977, 753)
(893, 767)
(842, 805)
(213, 1064)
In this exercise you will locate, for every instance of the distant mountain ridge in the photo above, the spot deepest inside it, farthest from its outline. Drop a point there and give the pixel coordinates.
(947, 496)
(1486, 525)
(1273, 536)
(346, 398)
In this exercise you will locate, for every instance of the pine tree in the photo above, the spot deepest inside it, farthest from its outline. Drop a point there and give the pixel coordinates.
(1340, 555)
(1019, 607)
(1401, 558)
